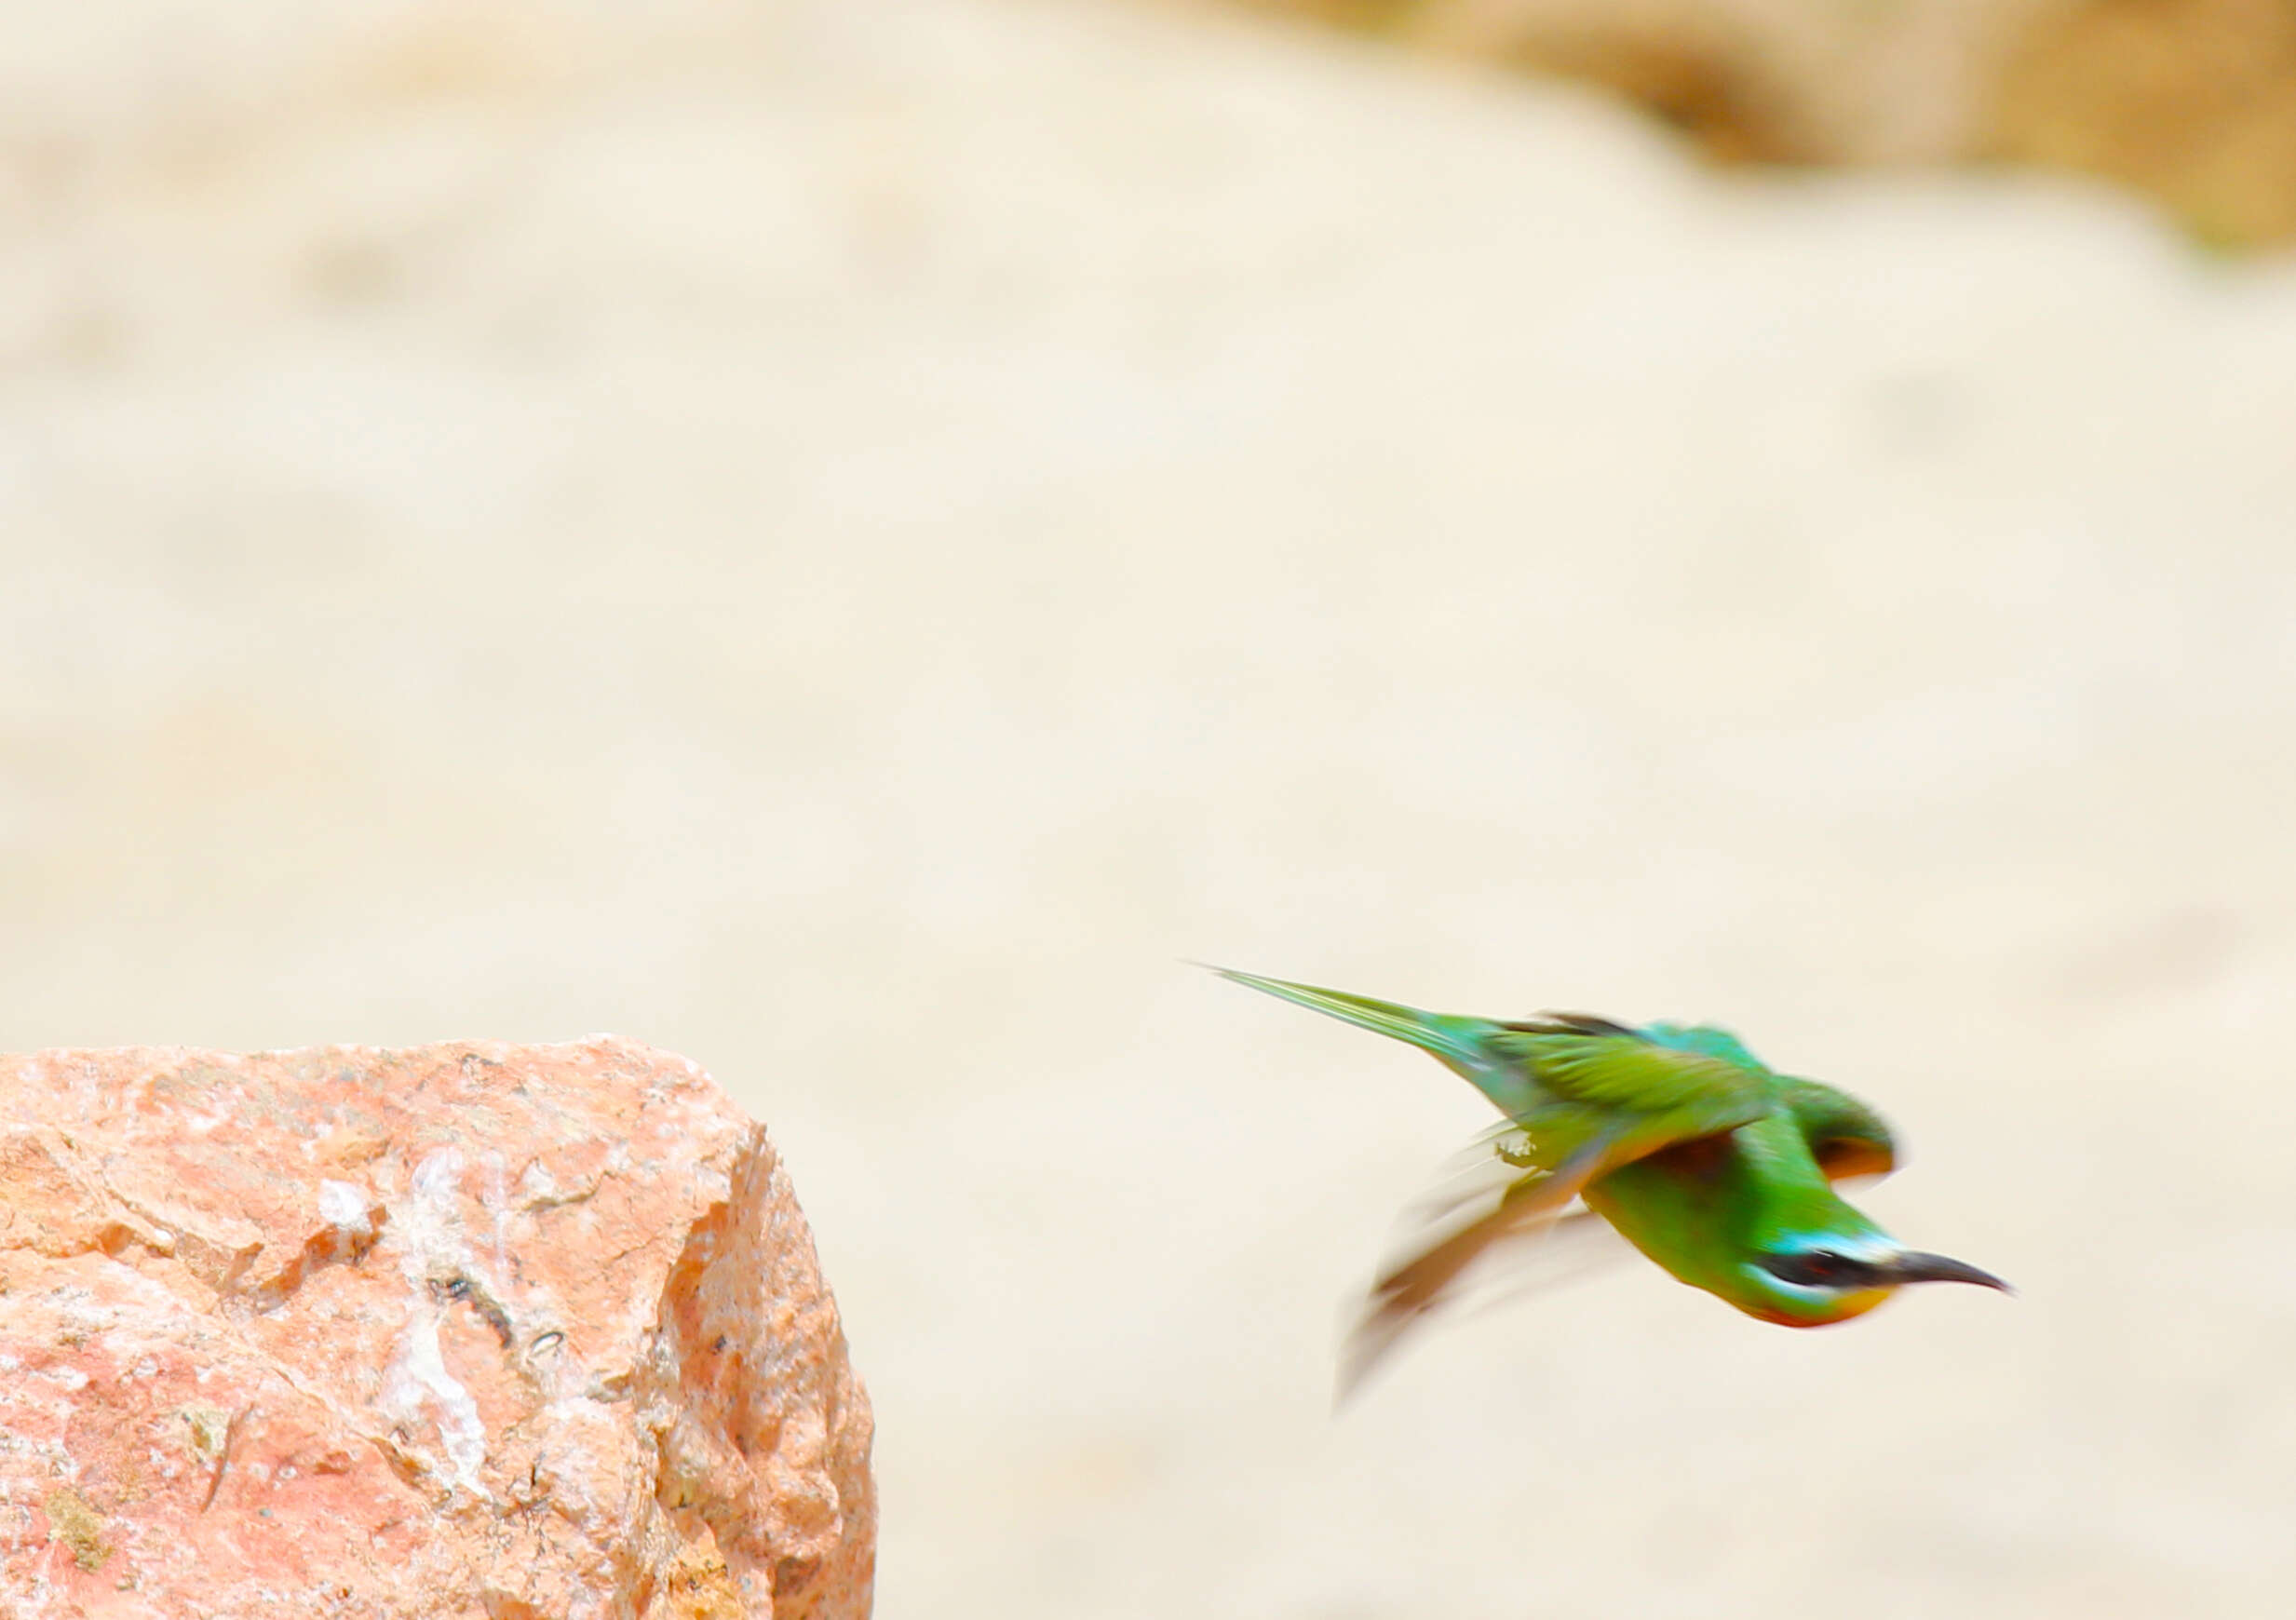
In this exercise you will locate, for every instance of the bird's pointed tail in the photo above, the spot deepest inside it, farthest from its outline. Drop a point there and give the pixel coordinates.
(1456, 1041)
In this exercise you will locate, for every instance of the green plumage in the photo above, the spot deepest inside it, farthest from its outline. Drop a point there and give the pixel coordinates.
(1713, 1164)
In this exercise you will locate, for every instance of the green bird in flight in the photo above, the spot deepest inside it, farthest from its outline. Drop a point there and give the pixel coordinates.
(1713, 1164)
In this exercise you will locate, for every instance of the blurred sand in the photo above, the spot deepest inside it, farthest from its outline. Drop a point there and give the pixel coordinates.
(844, 539)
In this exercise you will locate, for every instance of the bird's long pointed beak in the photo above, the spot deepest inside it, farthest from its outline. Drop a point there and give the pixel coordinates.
(1917, 1267)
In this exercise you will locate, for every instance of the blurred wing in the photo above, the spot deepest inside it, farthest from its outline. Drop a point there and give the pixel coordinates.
(1502, 1263)
(1529, 1204)
(1408, 1292)
(1576, 1243)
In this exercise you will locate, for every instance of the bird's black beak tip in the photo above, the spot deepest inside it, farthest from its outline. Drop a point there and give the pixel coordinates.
(1912, 1268)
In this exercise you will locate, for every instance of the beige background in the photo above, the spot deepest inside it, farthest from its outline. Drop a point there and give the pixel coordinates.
(846, 539)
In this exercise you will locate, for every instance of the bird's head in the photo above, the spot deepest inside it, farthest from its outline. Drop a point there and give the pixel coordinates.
(1752, 1218)
(1811, 1279)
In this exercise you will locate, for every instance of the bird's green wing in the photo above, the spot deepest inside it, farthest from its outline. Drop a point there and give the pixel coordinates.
(1582, 1059)
(1599, 1095)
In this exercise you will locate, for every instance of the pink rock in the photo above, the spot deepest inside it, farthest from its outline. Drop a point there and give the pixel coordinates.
(472, 1329)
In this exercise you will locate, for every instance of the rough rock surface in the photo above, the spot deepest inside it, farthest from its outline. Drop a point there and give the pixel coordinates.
(464, 1330)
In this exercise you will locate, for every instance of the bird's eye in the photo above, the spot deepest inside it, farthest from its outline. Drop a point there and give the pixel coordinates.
(1811, 1268)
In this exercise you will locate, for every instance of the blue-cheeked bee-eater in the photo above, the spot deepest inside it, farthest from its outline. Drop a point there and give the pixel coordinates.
(1710, 1162)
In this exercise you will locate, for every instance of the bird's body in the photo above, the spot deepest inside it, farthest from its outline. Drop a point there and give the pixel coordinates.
(1713, 1165)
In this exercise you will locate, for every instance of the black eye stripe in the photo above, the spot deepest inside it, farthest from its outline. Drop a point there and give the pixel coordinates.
(1818, 1268)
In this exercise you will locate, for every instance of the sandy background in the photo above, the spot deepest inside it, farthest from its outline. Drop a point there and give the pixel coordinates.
(844, 539)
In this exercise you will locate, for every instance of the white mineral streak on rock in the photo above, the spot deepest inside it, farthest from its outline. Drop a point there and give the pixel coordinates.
(433, 1256)
(344, 1208)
